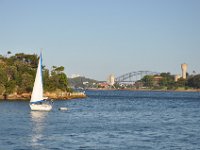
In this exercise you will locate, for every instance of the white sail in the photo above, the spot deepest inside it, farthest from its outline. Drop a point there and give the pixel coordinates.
(37, 94)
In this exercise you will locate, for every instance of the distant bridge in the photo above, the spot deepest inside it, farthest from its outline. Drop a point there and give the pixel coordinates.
(134, 76)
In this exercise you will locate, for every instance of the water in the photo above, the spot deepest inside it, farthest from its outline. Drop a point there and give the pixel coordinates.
(105, 120)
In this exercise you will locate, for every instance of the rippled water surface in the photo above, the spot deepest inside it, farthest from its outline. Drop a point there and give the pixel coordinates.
(105, 120)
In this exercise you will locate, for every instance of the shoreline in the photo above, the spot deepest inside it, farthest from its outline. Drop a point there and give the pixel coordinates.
(147, 90)
(54, 96)
(81, 95)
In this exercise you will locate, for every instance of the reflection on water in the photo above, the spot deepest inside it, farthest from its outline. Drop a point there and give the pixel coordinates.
(38, 124)
(38, 116)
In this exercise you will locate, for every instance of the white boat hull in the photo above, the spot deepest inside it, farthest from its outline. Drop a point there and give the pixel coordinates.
(42, 107)
(63, 108)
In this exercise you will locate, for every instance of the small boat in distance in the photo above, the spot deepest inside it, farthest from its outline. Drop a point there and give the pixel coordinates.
(63, 108)
(38, 102)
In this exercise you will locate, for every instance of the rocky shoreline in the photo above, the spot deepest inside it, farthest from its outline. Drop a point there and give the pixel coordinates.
(49, 95)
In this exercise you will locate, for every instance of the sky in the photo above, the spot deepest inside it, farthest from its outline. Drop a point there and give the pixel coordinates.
(96, 38)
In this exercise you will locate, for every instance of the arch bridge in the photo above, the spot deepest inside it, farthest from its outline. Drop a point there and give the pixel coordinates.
(131, 77)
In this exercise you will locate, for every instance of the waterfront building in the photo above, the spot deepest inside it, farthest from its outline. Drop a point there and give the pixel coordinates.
(184, 70)
(111, 80)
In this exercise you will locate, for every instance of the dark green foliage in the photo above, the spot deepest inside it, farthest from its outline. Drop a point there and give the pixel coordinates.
(194, 81)
(181, 82)
(10, 86)
(167, 79)
(17, 74)
(57, 80)
(167, 82)
(26, 83)
(148, 80)
(3, 76)
(9, 52)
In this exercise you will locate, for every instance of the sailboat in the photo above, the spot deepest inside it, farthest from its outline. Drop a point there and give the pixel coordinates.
(37, 101)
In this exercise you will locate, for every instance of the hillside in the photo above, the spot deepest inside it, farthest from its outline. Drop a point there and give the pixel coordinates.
(82, 82)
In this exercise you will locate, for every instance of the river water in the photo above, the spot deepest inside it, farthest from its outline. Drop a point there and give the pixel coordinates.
(105, 120)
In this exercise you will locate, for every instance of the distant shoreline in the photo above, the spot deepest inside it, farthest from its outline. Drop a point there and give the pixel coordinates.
(147, 90)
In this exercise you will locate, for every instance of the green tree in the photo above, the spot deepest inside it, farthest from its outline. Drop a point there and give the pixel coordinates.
(194, 81)
(10, 87)
(11, 72)
(3, 76)
(58, 79)
(17, 73)
(167, 80)
(26, 83)
(2, 89)
(62, 81)
(181, 82)
(8, 53)
(148, 80)
(59, 69)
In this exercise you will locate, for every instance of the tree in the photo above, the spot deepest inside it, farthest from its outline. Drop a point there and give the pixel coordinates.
(62, 81)
(3, 76)
(17, 73)
(46, 81)
(2, 89)
(8, 53)
(57, 70)
(58, 79)
(148, 80)
(194, 81)
(26, 83)
(181, 82)
(167, 80)
(9, 87)
(11, 72)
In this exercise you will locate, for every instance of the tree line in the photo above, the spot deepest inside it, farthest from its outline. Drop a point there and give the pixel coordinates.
(17, 74)
(167, 81)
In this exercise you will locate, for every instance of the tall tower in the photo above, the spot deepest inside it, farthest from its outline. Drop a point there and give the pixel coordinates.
(184, 70)
(111, 79)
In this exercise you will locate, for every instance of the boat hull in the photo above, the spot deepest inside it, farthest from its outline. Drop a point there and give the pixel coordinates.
(42, 107)
(63, 108)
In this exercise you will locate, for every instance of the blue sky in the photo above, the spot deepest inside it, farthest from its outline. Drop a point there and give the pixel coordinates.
(96, 38)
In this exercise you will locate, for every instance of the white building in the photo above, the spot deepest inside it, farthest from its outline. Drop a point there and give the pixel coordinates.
(184, 70)
(111, 79)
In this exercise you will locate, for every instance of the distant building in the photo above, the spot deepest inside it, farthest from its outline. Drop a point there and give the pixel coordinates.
(184, 70)
(103, 85)
(84, 83)
(111, 79)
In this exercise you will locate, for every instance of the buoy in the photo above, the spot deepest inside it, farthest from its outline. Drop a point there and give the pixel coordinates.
(63, 108)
